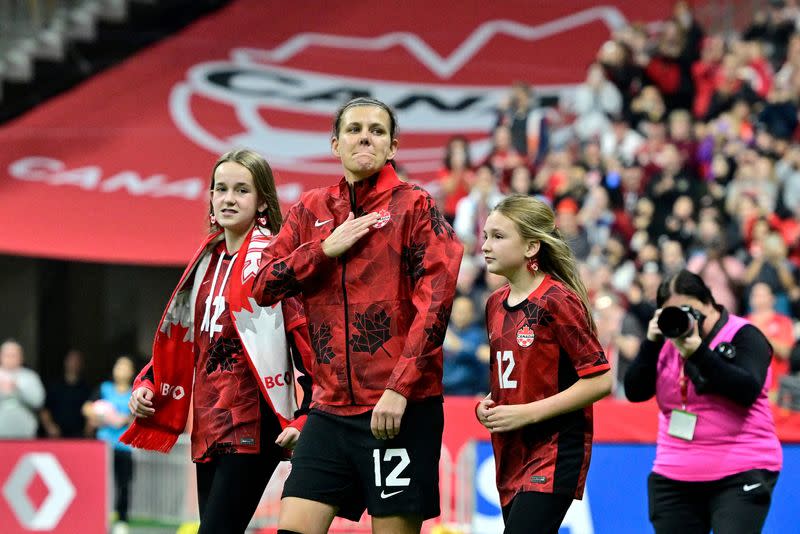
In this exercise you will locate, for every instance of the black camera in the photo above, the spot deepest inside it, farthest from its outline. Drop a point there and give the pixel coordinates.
(678, 321)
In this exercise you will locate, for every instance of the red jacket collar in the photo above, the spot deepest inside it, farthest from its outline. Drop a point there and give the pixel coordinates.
(377, 183)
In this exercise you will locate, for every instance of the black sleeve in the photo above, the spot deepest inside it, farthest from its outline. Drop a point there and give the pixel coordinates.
(303, 380)
(149, 374)
(640, 379)
(739, 378)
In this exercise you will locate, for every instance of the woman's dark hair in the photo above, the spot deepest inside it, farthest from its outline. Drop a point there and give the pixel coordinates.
(364, 101)
(684, 283)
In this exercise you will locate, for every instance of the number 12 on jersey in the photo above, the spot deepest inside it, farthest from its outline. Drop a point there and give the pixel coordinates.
(504, 374)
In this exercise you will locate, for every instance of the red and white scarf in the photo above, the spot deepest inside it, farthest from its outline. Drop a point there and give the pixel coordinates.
(261, 330)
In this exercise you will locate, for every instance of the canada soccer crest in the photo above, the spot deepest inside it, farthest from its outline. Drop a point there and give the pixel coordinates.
(525, 336)
(279, 98)
(383, 219)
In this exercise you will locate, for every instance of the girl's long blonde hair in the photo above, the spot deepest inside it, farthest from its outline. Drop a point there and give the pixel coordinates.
(535, 221)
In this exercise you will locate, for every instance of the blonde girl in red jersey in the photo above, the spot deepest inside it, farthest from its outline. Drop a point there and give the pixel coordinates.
(547, 367)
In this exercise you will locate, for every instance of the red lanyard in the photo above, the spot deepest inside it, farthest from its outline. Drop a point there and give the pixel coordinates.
(684, 382)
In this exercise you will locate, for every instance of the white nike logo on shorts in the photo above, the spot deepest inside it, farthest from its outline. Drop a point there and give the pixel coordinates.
(749, 487)
(385, 495)
(320, 223)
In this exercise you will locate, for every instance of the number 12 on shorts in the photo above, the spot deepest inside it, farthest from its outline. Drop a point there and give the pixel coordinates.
(393, 479)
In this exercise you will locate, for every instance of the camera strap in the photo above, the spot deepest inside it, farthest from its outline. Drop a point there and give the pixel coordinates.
(681, 422)
(684, 384)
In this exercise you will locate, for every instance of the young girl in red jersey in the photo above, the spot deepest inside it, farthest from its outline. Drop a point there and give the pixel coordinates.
(231, 357)
(547, 367)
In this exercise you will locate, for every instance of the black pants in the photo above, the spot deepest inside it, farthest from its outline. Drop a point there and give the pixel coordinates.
(123, 474)
(230, 486)
(737, 504)
(532, 512)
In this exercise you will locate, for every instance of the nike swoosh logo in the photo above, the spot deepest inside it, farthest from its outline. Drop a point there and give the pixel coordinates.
(320, 223)
(750, 487)
(385, 495)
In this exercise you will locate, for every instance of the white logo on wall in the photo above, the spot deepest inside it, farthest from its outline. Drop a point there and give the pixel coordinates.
(255, 89)
(60, 494)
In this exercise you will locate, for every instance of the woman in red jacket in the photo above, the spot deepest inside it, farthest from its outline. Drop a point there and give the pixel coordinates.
(230, 356)
(375, 264)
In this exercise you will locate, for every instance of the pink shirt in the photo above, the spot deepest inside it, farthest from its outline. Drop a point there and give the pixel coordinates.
(728, 438)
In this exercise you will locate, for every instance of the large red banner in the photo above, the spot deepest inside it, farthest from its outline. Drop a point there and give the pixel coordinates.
(53, 486)
(117, 169)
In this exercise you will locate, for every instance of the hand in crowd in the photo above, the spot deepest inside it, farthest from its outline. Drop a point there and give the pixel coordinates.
(141, 403)
(347, 234)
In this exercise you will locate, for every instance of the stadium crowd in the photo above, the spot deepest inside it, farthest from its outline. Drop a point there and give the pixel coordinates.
(680, 149)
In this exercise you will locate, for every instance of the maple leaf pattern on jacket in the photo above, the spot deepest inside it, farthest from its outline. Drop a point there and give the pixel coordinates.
(285, 283)
(412, 258)
(373, 331)
(438, 223)
(320, 342)
(437, 330)
(222, 354)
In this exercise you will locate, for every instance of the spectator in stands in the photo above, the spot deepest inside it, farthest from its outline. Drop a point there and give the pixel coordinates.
(778, 328)
(592, 102)
(621, 141)
(521, 182)
(616, 58)
(730, 87)
(680, 224)
(641, 297)
(456, 178)
(720, 271)
(705, 72)
(527, 127)
(61, 416)
(619, 333)
(503, 157)
(717, 455)
(573, 232)
(107, 412)
(21, 394)
(773, 25)
(466, 356)
(770, 265)
(472, 210)
(680, 133)
(787, 171)
(672, 257)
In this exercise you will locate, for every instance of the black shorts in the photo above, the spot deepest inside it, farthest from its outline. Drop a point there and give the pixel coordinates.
(339, 462)
(735, 504)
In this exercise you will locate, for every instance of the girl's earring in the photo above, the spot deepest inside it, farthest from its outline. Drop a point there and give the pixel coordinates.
(261, 219)
(212, 219)
(533, 264)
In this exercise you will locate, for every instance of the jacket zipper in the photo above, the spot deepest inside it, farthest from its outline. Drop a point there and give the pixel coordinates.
(352, 194)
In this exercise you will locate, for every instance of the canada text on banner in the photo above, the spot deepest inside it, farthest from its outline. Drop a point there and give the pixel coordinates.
(117, 170)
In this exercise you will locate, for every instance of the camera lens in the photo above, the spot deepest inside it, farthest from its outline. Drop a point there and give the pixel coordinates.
(675, 322)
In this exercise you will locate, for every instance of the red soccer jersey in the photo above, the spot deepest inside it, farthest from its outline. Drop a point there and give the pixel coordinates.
(540, 347)
(226, 402)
